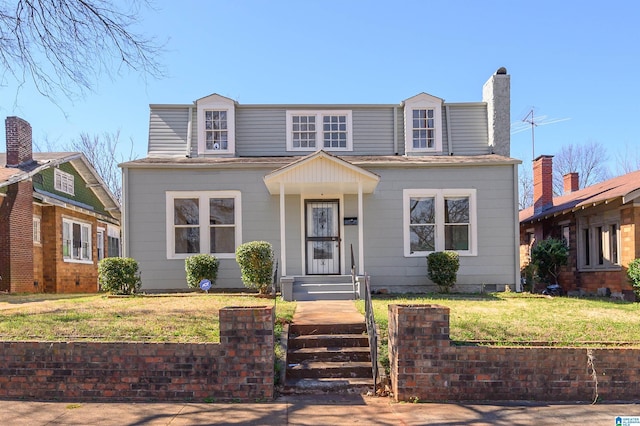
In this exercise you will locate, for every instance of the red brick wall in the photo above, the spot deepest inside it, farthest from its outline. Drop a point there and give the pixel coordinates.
(16, 239)
(240, 368)
(19, 144)
(426, 366)
(542, 183)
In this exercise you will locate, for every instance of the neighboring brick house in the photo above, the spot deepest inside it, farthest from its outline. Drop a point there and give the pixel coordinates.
(600, 223)
(57, 218)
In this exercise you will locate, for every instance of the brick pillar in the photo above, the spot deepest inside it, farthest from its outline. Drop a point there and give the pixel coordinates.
(246, 335)
(19, 144)
(16, 239)
(416, 334)
(571, 182)
(542, 183)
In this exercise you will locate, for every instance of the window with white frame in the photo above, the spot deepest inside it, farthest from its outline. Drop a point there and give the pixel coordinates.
(203, 222)
(216, 125)
(439, 220)
(76, 240)
(63, 182)
(113, 241)
(599, 243)
(314, 130)
(100, 243)
(37, 238)
(423, 124)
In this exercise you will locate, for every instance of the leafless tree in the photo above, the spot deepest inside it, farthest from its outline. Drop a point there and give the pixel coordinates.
(589, 160)
(628, 161)
(62, 45)
(102, 153)
(525, 187)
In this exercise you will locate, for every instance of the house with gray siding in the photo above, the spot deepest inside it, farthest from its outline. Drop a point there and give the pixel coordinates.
(389, 183)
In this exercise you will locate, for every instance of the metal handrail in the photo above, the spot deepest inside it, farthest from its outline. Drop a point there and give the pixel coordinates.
(372, 330)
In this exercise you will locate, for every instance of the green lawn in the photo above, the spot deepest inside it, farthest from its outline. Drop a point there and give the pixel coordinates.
(521, 318)
(177, 318)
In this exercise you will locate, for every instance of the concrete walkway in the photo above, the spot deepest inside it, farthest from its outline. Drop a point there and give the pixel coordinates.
(327, 312)
(312, 410)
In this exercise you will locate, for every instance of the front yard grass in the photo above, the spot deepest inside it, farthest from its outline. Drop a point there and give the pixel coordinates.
(191, 318)
(523, 318)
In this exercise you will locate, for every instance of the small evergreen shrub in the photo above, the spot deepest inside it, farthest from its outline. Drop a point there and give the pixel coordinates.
(119, 275)
(256, 264)
(201, 266)
(548, 256)
(443, 267)
(633, 272)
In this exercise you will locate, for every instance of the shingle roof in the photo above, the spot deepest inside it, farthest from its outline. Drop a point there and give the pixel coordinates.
(626, 187)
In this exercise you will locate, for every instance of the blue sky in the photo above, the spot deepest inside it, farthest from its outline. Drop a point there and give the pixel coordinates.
(573, 60)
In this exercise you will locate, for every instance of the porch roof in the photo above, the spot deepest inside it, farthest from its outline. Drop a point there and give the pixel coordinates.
(321, 172)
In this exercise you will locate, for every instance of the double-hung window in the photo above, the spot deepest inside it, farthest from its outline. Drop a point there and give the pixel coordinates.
(438, 220)
(599, 243)
(76, 241)
(203, 222)
(63, 182)
(37, 238)
(423, 124)
(216, 125)
(314, 130)
(216, 130)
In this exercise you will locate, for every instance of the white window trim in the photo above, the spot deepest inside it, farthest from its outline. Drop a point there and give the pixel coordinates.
(66, 182)
(203, 221)
(217, 105)
(319, 114)
(592, 224)
(100, 232)
(71, 222)
(37, 230)
(422, 102)
(440, 195)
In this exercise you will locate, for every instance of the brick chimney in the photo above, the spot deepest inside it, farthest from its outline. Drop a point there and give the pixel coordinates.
(496, 92)
(571, 182)
(19, 144)
(542, 183)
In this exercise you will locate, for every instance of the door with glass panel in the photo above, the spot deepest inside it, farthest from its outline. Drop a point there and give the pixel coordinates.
(322, 237)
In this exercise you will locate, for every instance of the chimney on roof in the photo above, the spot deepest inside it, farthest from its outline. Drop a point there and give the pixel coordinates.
(571, 182)
(496, 92)
(19, 143)
(542, 183)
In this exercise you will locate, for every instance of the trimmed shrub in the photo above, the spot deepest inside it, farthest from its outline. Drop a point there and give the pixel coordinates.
(119, 275)
(199, 267)
(443, 267)
(256, 264)
(548, 256)
(633, 272)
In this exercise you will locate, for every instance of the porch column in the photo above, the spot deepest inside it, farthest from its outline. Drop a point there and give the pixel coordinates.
(360, 231)
(283, 239)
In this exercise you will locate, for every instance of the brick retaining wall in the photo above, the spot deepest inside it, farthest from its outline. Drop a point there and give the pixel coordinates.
(425, 365)
(240, 367)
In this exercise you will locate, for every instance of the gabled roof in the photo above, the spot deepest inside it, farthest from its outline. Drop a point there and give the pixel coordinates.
(46, 160)
(625, 187)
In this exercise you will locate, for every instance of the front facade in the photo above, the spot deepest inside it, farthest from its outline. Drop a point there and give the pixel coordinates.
(600, 225)
(57, 218)
(388, 183)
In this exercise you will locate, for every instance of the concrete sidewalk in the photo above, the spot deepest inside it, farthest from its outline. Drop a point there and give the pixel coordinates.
(312, 410)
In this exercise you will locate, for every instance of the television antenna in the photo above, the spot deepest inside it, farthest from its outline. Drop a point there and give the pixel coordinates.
(533, 121)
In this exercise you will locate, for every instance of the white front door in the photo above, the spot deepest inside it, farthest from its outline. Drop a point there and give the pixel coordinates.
(322, 237)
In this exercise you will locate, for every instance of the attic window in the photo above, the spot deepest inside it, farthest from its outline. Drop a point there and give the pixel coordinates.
(423, 124)
(313, 130)
(63, 182)
(215, 130)
(216, 126)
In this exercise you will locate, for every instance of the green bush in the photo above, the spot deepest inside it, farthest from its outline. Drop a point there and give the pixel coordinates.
(200, 267)
(633, 271)
(443, 267)
(548, 256)
(256, 264)
(119, 275)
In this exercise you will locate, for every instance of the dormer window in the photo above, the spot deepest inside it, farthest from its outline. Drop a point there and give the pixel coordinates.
(216, 125)
(314, 130)
(423, 124)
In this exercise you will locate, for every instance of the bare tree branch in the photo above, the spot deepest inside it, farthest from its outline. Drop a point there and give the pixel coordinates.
(63, 45)
(525, 187)
(589, 160)
(628, 161)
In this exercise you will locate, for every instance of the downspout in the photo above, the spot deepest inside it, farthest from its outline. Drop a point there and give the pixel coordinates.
(517, 230)
(395, 130)
(449, 143)
(189, 131)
